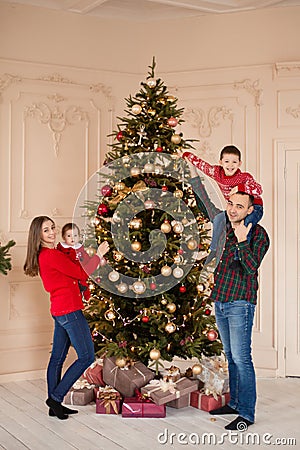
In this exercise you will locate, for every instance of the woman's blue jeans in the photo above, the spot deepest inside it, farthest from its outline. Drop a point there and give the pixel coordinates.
(69, 329)
(235, 321)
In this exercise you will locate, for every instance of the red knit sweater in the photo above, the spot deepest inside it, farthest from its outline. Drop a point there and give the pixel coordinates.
(243, 180)
(60, 278)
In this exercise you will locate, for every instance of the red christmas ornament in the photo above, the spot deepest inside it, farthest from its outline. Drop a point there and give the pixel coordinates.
(180, 251)
(164, 188)
(120, 136)
(203, 304)
(102, 209)
(172, 122)
(159, 149)
(106, 190)
(182, 289)
(152, 286)
(207, 312)
(145, 319)
(212, 335)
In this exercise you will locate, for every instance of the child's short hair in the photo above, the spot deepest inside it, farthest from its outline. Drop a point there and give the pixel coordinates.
(230, 150)
(69, 226)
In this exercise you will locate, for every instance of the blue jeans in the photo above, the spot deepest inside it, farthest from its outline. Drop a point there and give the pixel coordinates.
(234, 321)
(69, 329)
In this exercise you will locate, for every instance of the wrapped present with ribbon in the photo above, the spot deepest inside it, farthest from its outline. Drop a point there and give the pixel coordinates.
(208, 402)
(108, 400)
(94, 373)
(81, 393)
(163, 392)
(214, 374)
(142, 406)
(127, 379)
(170, 374)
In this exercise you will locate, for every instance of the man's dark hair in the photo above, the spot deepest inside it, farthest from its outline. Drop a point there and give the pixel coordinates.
(251, 197)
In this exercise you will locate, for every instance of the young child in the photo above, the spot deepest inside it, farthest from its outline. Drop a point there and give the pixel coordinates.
(73, 248)
(230, 179)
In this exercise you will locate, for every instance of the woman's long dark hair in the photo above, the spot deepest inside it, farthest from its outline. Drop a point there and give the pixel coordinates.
(31, 266)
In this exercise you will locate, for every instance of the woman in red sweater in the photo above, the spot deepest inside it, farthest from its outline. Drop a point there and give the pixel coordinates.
(60, 277)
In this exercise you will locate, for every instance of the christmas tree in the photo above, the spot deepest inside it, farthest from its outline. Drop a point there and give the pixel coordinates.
(5, 259)
(147, 301)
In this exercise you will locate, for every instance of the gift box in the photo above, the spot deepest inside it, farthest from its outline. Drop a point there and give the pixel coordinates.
(163, 392)
(171, 373)
(135, 407)
(94, 373)
(108, 400)
(214, 375)
(126, 379)
(80, 394)
(200, 400)
(181, 402)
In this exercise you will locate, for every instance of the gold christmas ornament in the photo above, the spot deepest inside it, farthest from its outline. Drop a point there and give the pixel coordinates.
(166, 271)
(178, 272)
(91, 251)
(139, 287)
(178, 193)
(113, 276)
(136, 223)
(149, 204)
(120, 362)
(151, 82)
(163, 301)
(170, 327)
(109, 315)
(116, 218)
(122, 288)
(154, 354)
(136, 109)
(184, 221)
(178, 259)
(178, 227)
(200, 287)
(176, 138)
(135, 171)
(197, 369)
(171, 307)
(192, 244)
(166, 227)
(136, 246)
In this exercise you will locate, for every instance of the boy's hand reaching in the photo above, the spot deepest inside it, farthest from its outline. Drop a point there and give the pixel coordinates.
(234, 190)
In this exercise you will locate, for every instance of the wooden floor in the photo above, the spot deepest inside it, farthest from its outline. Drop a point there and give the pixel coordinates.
(24, 423)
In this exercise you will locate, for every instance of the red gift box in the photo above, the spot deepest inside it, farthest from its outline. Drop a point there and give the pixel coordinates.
(108, 400)
(205, 402)
(94, 373)
(134, 407)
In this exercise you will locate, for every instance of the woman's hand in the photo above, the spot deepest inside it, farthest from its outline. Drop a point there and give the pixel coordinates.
(102, 249)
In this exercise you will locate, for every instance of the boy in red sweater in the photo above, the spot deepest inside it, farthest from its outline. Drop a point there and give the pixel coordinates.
(230, 179)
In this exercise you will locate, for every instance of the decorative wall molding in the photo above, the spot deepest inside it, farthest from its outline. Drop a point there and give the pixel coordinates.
(56, 119)
(252, 88)
(294, 112)
(6, 80)
(205, 122)
(287, 69)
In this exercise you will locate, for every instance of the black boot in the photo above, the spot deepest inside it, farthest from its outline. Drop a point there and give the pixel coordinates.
(57, 408)
(66, 410)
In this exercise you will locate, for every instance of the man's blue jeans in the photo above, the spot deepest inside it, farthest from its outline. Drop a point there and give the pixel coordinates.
(234, 322)
(69, 329)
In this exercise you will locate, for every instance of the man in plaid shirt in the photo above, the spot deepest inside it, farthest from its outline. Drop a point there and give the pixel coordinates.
(235, 296)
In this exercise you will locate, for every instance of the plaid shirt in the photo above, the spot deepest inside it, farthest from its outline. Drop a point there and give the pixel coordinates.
(234, 284)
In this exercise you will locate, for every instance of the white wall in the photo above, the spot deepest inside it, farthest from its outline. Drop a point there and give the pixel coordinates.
(230, 69)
